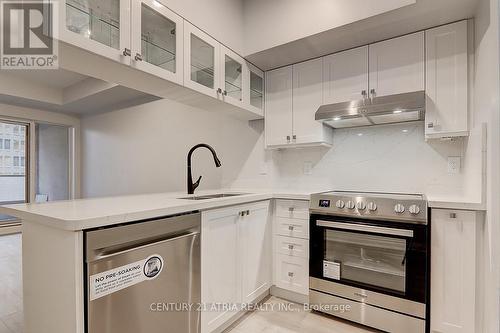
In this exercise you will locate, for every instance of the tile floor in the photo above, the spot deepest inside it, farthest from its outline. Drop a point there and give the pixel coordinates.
(295, 321)
(11, 292)
(271, 321)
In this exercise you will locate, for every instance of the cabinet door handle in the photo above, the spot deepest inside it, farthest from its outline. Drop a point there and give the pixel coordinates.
(290, 274)
(290, 247)
(291, 209)
(294, 137)
(363, 93)
(453, 215)
(291, 227)
(224, 93)
(127, 52)
(430, 125)
(248, 212)
(219, 90)
(373, 92)
(138, 57)
(288, 138)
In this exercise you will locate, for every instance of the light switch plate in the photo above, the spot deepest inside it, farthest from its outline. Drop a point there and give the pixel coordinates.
(308, 168)
(454, 165)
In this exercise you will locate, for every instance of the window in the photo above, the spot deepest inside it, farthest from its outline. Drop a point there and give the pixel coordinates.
(6, 144)
(16, 161)
(16, 129)
(22, 161)
(1, 143)
(22, 144)
(8, 161)
(16, 144)
(1, 162)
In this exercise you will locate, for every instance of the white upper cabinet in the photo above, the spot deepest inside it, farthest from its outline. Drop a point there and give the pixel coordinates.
(307, 98)
(345, 76)
(278, 110)
(233, 77)
(447, 81)
(397, 65)
(157, 40)
(102, 27)
(254, 92)
(201, 61)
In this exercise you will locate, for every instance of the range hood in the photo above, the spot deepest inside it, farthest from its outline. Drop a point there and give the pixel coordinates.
(390, 109)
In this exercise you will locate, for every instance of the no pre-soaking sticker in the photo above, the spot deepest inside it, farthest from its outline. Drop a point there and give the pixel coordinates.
(113, 280)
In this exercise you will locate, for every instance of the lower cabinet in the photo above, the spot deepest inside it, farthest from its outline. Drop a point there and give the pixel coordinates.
(235, 260)
(453, 270)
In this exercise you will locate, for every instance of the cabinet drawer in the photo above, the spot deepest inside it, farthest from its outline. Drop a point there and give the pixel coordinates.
(295, 247)
(456, 215)
(292, 273)
(293, 209)
(291, 227)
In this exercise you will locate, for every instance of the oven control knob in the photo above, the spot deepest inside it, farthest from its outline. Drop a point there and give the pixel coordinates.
(372, 206)
(414, 210)
(340, 204)
(361, 205)
(350, 204)
(399, 208)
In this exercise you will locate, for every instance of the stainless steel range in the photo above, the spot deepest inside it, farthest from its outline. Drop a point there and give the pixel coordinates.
(369, 259)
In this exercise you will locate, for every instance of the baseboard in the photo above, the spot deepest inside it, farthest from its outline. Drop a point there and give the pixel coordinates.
(289, 295)
(231, 322)
(10, 229)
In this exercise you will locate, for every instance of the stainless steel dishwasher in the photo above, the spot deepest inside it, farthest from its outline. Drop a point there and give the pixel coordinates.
(144, 276)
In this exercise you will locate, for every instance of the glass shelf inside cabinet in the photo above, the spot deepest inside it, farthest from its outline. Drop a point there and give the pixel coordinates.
(256, 90)
(233, 78)
(202, 62)
(158, 39)
(95, 20)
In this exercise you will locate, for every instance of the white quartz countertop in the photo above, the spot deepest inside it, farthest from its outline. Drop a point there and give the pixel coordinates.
(83, 214)
(76, 215)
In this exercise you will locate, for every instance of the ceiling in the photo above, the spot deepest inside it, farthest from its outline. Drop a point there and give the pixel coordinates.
(422, 15)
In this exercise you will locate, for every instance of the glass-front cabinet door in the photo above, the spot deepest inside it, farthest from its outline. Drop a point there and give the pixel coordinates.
(101, 27)
(201, 61)
(233, 77)
(255, 90)
(157, 40)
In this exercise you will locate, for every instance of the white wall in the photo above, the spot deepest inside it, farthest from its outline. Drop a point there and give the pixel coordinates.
(486, 102)
(144, 149)
(222, 19)
(272, 23)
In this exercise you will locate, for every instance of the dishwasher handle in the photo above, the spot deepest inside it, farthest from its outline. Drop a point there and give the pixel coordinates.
(105, 253)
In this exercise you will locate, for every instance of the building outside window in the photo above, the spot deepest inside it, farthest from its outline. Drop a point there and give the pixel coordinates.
(6, 144)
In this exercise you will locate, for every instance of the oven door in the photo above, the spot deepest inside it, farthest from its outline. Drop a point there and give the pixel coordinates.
(385, 257)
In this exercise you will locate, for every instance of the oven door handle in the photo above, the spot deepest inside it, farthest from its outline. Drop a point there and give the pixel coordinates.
(365, 228)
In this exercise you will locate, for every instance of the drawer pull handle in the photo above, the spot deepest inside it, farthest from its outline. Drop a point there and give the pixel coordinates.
(453, 215)
(290, 247)
(291, 209)
(291, 227)
(361, 295)
(290, 274)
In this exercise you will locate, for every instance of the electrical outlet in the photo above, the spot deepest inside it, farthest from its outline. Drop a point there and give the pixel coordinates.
(308, 168)
(454, 165)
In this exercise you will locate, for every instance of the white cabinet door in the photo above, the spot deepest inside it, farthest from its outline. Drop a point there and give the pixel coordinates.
(453, 271)
(278, 120)
(101, 27)
(345, 76)
(157, 40)
(397, 65)
(201, 61)
(446, 80)
(233, 77)
(220, 276)
(292, 273)
(256, 248)
(254, 92)
(307, 98)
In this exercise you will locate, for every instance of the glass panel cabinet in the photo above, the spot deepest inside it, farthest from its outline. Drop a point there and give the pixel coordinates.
(101, 27)
(201, 61)
(255, 89)
(232, 77)
(157, 40)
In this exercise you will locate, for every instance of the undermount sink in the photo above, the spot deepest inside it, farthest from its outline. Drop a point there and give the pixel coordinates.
(213, 196)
